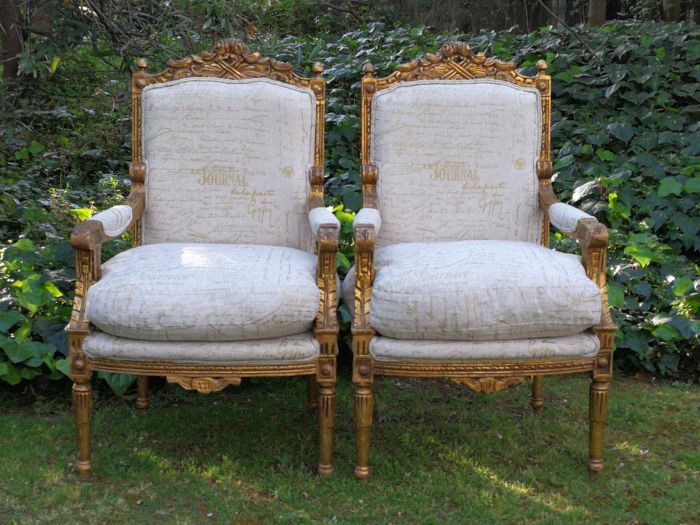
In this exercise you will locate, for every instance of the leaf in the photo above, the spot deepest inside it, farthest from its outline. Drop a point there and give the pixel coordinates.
(668, 186)
(9, 318)
(616, 295)
(661, 53)
(22, 154)
(665, 332)
(681, 286)
(82, 214)
(642, 254)
(669, 362)
(36, 147)
(605, 155)
(119, 383)
(621, 131)
(63, 365)
(692, 185)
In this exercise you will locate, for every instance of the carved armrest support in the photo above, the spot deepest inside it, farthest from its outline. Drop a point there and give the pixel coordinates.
(365, 243)
(370, 175)
(326, 325)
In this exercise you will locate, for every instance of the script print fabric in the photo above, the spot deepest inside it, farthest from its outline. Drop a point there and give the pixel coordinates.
(227, 162)
(457, 161)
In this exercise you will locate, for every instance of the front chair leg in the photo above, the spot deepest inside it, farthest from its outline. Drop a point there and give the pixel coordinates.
(598, 413)
(363, 425)
(82, 415)
(326, 423)
(142, 392)
(537, 393)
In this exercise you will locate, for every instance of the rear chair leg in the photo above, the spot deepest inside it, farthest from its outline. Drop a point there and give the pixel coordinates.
(537, 393)
(142, 392)
(311, 393)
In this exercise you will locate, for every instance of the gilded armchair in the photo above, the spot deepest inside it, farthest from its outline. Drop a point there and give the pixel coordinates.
(232, 269)
(453, 274)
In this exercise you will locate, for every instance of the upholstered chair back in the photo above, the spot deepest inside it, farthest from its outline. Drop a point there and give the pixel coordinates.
(227, 161)
(457, 160)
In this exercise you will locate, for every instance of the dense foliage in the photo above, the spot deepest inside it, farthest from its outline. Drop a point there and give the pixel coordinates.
(625, 145)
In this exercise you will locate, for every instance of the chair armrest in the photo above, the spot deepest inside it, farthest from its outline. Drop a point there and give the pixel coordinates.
(87, 238)
(322, 217)
(368, 217)
(591, 234)
(365, 244)
(106, 225)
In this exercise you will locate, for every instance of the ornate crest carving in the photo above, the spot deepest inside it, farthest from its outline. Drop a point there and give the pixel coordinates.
(204, 385)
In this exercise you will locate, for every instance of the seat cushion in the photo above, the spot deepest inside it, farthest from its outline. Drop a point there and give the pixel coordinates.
(281, 350)
(567, 347)
(479, 291)
(205, 292)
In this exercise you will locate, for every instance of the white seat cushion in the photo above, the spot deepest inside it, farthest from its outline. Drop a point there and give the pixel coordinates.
(205, 292)
(570, 346)
(282, 350)
(479, 291)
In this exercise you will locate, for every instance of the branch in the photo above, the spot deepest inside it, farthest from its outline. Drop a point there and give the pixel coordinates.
(567, 26)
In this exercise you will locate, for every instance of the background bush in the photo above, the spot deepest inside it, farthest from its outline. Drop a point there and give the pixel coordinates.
(625, 147)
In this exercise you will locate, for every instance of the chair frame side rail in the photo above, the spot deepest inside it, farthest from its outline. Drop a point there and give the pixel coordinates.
(457, 61)
(230, 59)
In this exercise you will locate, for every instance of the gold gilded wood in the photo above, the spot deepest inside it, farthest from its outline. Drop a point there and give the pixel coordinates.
(488, 385)
(456, 61)
(229, 59)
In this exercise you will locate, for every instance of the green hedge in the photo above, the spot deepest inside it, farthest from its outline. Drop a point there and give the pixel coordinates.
(625, 147)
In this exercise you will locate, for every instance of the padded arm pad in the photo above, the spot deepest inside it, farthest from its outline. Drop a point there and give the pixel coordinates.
(368, 216)
(115, 220)
(322, 216)
(565, 217)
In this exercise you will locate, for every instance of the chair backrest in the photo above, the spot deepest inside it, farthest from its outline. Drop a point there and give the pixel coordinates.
(228, 141)
(459, 142)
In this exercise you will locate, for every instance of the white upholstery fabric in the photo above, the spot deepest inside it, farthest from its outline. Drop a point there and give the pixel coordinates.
(115, 220)
(457, 161)
(205, 292)
(296, 348)
(564, 217)
(227, 162)
(319, 216)
(571, 346)
(478, 290)
(368, 216)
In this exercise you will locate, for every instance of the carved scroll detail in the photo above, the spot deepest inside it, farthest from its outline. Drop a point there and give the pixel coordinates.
(488, 385)
(204, 385)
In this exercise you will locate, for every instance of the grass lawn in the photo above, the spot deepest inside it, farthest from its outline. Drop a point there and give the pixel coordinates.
(440, 453)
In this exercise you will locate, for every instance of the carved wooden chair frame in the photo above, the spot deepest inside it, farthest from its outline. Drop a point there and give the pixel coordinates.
(230, 59)
(456, 61)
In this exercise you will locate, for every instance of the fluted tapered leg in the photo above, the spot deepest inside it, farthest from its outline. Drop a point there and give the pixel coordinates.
(326, 423)
(311, 393)
(82, 415)
(142, 392)
(363, 426)
(537, 393)
(598, 412)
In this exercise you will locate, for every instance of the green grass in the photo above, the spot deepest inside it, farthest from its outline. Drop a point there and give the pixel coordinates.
(440, 453)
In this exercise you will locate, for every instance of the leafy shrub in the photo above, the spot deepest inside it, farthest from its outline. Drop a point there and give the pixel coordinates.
(625, 148)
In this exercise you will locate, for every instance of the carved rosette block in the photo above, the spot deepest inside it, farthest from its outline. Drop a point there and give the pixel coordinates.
(487, 385)
(204, 385)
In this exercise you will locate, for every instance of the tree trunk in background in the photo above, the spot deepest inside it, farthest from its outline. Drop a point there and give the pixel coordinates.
(596, 12)
(696, 11)
(11, 37)
(672, 10)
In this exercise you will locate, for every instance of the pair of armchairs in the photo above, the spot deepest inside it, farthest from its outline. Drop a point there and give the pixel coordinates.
(232, 272)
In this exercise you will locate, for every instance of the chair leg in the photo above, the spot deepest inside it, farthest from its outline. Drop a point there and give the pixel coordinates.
(326, 424)
(363, 425)
(598, 413)
(311, 393)
(142, 392)
(82, 415)
(537, 393)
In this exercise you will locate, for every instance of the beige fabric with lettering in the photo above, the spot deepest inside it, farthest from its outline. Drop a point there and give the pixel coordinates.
(291, 349)
(457, 161)
(227, 162)
(478, 291)
(570, 346)
(205, 292)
